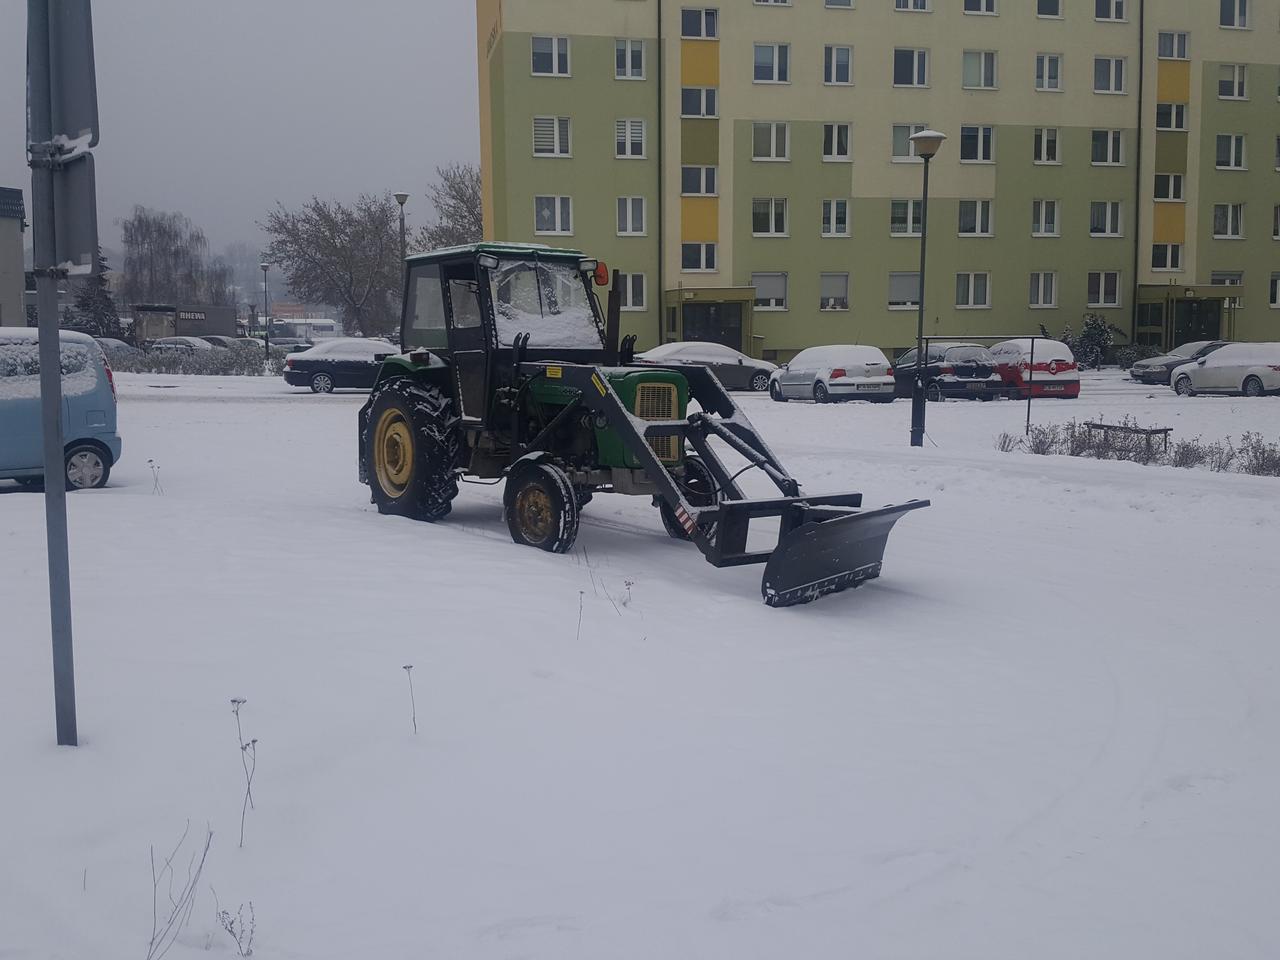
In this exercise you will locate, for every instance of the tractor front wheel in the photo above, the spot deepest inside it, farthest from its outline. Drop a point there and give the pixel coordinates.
(541, 508)
(698, 487)
(411, 447)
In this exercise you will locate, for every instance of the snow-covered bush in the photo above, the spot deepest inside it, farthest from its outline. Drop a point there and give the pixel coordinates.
(1128, 355)
(240, 361)
(1259, 458)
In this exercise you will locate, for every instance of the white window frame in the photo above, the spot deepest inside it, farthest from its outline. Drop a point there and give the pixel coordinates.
(829, 211)
(708, 23)
(1044, 75)
(1116, 11)
(627, 229)
(914, 210)
(910, 156)
(1101, 302)
(919, 66)
(628, 138)
(555, 70)
(983, 210)
(1177, 117)
(781, 72)
(1116, 67)
(834, 307)
(704, 246)
(1115, 148)
(1179, 41)
(773, 126)
(912, 6)
(831, 66)
(703, 171)
(1235, 221)
(559, 126)
(627, 46)
(971, 287)
(1239, 154)
(1172, 257)
(561, 229)
(1176, 188)
(773, 307)
(777, 209)
(1113, 219)
(988, 64)
(629, 304)
(1040, 218)
(1042, 133)
(838, 4)
(1237, 84)
(986, 8)
(1275, 291)
(1036, 298)
(1049, 16)
(906, 304)
(835, 127)
(989, 141)
(1239, 18)
(708, 103)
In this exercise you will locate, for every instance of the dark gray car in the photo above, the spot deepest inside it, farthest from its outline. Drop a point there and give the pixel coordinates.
(1158, 369)
(734, 370)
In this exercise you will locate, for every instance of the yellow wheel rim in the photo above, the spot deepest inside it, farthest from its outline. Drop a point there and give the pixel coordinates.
(535, 514)
(393, 453)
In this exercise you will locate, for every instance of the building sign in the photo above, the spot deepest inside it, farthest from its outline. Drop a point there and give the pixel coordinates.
(197, 315)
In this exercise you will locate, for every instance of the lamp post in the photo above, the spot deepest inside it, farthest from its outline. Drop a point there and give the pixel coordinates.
(927, 143)
(402, 199)
(266, 312)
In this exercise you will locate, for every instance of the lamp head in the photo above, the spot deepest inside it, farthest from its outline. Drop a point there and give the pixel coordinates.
(401, 198)
(927, 143)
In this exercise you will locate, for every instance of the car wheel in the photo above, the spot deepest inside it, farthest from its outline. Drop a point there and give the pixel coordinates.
(760, 382)
(1183, 387)
(87, 467)
(775, 391)
(322, 383)
(820, 394)
(933, 392)
(1253, 387)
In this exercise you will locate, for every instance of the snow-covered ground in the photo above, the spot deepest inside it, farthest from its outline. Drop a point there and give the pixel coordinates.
(1049, 730)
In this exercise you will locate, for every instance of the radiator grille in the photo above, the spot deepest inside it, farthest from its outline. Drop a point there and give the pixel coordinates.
(660, 401)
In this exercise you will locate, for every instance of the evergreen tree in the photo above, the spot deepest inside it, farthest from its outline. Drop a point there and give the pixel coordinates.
(95, 311)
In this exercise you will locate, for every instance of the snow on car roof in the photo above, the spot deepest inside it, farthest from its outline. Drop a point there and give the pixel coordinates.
(32, 335)
(1046, 349)
(843, 353)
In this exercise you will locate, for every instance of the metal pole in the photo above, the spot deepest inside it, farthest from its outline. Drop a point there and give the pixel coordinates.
(917, 388)
(403, 244)
(266, 317)
(1031, 375)
(55, 471)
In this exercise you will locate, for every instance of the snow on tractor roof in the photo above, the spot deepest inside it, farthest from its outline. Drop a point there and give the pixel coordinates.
(497, 249)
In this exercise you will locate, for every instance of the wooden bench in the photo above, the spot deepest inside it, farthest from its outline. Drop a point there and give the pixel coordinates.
(1146, 432)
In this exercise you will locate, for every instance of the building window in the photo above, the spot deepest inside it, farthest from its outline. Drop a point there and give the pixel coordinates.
(699, 23)
(1107, 148)
(910, 68)
(1275, 223)
(633, 291)
(1104, 288)
(1049, 8)
(773, 63)
(975, 218)
(1275, 291)
(1232, 82)
(904, 218)
(1169, 187)
(769, 217)
(1230, 151)
(977, 144)
(631, 217)
(1171, 46)
(553, 215)
(773, 3)
(979, 70)
(973, 290)
(904, 291)
(698, 181)
(1171, 116)
(1046, 145)
(1166, 256)
(770, 141)
(551, 136)
(771, 290)
(1044, 290)
(1044, 218)
(1228, 221)
(1234, 14)
(1278, 153)
(833, 291)
(697, 257)
(912, 6)
(1104, 218)
(904, 151)
(980, 6)
(1108, 9)
(1048, 72)
(628, 139)
(840, 4)
(836, 142)
(551, 56)
(628, 60)
(1108, 74)
(835, 218)
(1228, 278)
(698, 101)
(837, 65)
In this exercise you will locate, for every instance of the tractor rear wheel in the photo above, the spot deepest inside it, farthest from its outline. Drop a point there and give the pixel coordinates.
(541, 508)
(698, 487)
(411, 448)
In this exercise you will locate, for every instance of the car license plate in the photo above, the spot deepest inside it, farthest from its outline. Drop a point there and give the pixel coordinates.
(1052, 389)
(867, 386)
(976, 386)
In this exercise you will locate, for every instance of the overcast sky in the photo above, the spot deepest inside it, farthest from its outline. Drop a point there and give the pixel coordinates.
(219, 109)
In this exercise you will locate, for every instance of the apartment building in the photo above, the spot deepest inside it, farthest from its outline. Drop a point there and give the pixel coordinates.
(748, 166)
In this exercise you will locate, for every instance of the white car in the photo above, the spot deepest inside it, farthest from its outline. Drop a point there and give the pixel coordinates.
(1251, 369)
(827, 374)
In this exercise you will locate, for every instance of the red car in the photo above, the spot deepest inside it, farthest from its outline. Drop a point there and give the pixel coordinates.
(1055, 373)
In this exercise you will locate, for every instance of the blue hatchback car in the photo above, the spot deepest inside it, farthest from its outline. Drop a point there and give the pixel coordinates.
(92, 446)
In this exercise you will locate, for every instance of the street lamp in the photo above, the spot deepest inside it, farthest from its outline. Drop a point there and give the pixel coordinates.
(266, 312)
(402, 199)
(927, 143)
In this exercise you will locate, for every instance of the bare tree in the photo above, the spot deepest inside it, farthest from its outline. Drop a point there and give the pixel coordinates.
(345, 256)
(458, 200)
(166, 261)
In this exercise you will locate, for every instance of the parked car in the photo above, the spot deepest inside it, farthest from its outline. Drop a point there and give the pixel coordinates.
(825, 374)
(1055, 373)
(118, 348)
(1158, 369)
(290, 344)
(951, 370)
(734, 370)
(340, 362)
(255, 342)
(180, 344)
(91, 444)
(1251, 369)
(223, 342)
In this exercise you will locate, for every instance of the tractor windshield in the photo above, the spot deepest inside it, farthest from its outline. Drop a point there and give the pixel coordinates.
(545, 299)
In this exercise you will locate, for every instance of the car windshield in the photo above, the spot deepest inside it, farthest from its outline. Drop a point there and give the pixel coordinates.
(545, 299)
(1188, 349)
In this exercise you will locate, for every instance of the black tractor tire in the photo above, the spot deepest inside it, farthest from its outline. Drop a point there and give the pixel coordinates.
(322, 383)
(88, 466)
(775, 392)
(1183, 388)
(541, 508)
(760, 381)
(820, 393)
(411, 442)
(1252, 387)
(698, 487)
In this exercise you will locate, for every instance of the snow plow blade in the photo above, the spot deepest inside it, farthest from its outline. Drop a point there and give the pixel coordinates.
(832, 549)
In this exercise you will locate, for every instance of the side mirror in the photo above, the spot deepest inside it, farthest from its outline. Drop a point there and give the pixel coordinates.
(740, 361)
(785, 366)
(1201, 361)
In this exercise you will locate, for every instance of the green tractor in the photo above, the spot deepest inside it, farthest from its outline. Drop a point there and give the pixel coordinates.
(512, 371)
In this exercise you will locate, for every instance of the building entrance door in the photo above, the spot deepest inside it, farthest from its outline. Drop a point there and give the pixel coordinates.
(1196, 320)
(714, 322)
